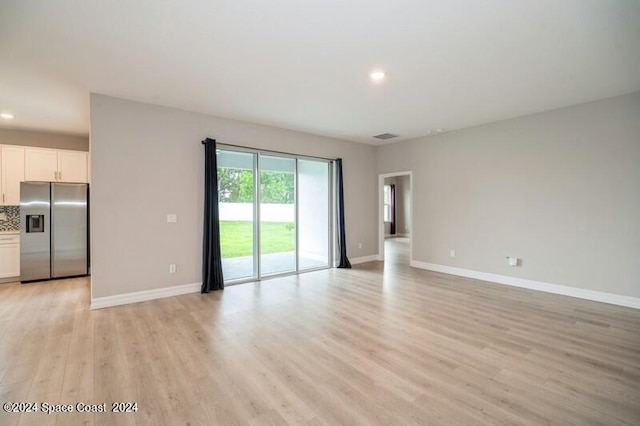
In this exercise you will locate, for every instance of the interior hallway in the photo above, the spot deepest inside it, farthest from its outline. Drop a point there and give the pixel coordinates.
(396, 251)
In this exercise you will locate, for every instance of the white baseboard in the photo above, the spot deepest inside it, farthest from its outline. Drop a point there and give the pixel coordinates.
(598, 296)
(364, 259)
(143, 296)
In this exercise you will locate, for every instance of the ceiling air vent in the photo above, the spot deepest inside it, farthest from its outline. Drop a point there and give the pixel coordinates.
(385, 136)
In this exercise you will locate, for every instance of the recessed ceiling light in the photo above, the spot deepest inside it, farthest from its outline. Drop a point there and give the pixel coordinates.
(440, 130)
(377, 75)
(6, 115)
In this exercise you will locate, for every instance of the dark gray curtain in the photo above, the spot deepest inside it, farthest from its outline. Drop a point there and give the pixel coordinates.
(211, 254)
(342, 240)
(392, 209)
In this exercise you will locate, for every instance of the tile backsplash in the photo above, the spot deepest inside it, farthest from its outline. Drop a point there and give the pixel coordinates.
(12, 222)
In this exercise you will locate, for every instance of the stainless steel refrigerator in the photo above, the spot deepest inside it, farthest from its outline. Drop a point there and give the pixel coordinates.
(53, 230)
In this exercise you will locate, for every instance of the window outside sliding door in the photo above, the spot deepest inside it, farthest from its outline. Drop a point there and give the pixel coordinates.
(274, 214)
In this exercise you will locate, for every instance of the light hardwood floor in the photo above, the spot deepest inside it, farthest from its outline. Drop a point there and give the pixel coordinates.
(373, 345)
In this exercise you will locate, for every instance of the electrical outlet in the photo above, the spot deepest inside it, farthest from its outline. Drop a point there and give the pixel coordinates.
(172, 268)
(452, 253)
(172, 218)
(359, 245)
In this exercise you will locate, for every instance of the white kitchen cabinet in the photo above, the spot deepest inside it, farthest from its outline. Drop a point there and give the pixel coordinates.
(11, 174)
(72, 166)
(41, 165)
(51, 165)
(9, 256)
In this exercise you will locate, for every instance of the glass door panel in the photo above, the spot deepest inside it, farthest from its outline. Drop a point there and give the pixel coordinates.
(274, 214)
(277, 215)
(236, 203)
(313, 214)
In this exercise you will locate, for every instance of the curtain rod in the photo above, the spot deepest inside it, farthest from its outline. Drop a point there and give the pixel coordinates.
(274, 152)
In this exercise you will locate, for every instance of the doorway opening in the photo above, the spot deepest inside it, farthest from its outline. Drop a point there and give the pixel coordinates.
(395, 217)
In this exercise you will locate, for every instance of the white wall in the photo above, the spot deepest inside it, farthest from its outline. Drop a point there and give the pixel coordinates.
(268, 212)
(313, 215)
(148, 161)
(560, 189)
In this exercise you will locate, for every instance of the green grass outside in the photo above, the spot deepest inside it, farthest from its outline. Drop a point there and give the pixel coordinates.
(236, 238)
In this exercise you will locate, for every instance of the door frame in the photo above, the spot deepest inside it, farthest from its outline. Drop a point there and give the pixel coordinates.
(381, 178)
(257, 265)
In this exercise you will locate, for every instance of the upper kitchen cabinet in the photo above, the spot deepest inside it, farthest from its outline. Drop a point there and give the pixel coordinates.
(72, 166)
(41, 165)
(11, 174)
(51, 165)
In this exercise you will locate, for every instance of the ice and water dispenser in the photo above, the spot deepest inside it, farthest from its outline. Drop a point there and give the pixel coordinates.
(35, 223)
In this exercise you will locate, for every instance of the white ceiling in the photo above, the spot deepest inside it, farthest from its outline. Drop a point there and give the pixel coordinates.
(304, 64)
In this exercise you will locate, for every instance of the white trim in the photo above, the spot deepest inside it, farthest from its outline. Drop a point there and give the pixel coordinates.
(143, 296)
(580, 293)
(364, 259)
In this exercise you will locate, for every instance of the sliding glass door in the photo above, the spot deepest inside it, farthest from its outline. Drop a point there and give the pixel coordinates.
(277, 215)
(236, 203)
(313, 214)
(274, 214)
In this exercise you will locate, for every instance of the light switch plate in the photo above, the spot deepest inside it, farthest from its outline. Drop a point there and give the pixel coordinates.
(172, 218)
